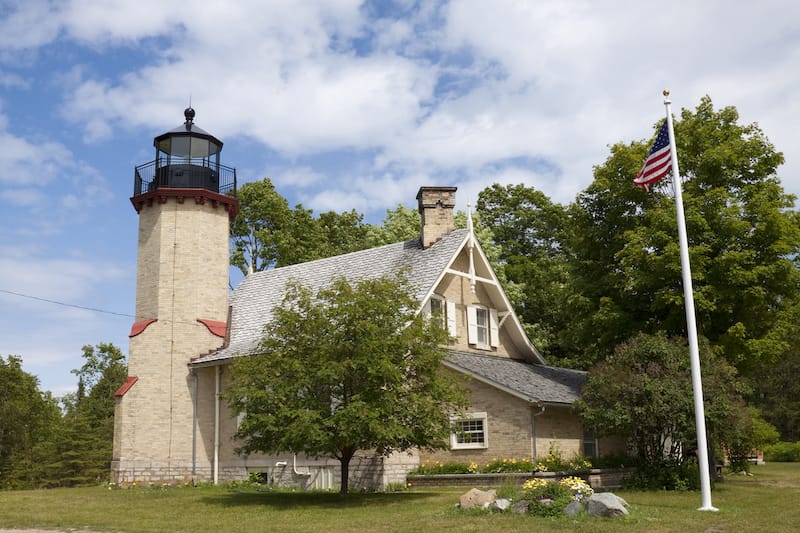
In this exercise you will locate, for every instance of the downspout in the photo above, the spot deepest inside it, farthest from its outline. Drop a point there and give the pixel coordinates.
(216, 424)
(193, 371)
(533, 431)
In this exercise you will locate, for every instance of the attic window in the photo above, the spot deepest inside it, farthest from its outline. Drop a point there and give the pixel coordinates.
(446, 309)
(437, 308)
(470, 432)
(482, 327)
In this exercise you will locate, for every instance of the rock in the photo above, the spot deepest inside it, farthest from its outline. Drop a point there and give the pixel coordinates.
(606, 504)
(574, 508)
(478, 499)
(500, 505)
(520, 507)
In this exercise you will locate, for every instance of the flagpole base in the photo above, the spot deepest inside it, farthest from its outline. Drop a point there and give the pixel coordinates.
(708, 508)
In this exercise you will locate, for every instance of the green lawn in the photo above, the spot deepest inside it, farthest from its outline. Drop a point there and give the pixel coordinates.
(768, 501)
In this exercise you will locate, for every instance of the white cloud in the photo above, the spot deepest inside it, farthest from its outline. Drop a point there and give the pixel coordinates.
(31, 271)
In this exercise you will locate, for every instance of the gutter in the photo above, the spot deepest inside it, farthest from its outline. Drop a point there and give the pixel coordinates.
(534, 452)
(217, 370)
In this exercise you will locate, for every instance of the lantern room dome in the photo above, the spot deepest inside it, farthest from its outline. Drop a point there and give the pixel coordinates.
(188, 141)
(187, 157)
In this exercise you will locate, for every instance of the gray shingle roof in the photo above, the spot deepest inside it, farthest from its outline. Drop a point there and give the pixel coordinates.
(531, 382)
(259, 293)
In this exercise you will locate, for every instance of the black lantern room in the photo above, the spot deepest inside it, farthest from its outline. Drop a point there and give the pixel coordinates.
(187, 157)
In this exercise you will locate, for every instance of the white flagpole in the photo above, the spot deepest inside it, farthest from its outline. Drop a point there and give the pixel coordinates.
(691, 326)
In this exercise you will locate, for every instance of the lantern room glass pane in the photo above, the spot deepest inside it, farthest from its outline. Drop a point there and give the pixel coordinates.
(180, 148)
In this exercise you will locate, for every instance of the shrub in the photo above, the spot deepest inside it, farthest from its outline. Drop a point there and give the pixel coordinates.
(618, 460)
(554, 462)
(549, 498)
(579, 487)
(504, 465)
(783, 452)
(666, 476)
(437, 467)
(495, 466)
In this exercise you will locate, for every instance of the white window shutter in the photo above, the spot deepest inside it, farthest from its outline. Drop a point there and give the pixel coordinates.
(494, 331)
(472, 325)
(451, 319)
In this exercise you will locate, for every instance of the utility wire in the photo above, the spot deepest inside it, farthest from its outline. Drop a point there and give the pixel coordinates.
(64, 304)
(96, 310)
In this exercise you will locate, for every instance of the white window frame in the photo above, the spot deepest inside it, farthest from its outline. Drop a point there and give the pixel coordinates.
(491, 328)
(469, 418)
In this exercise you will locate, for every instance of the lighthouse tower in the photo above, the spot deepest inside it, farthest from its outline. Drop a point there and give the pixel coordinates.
(185, 200)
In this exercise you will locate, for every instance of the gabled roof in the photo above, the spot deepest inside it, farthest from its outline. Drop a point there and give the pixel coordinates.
(259, 293)
(539, 384)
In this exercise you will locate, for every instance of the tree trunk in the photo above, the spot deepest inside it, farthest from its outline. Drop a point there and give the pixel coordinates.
(344, 460)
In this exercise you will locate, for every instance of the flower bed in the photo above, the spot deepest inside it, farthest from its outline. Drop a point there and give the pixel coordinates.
(598, 478)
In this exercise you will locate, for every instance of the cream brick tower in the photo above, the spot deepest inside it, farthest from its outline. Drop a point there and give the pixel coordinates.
(185, 200)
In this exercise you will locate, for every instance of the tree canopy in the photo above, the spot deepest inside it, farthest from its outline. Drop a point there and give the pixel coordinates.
(44, 445)
(28, 417)
(607, 266)
(352, 367)
(84, 445)
(268, 233)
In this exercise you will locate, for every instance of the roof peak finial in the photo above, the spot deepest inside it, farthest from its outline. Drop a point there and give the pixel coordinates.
(189, 113)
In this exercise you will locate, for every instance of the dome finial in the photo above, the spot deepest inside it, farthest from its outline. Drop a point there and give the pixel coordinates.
(189, 114)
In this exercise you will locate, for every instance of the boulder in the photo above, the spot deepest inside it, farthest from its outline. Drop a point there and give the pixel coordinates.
(573, 508)
(606, 504)
(520, 507)
(478, 499)
(500, 505)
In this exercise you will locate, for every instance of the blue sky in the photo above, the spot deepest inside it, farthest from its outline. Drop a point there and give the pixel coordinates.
(344, 105)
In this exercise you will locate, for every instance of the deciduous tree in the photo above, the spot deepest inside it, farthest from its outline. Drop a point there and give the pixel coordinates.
(644, 393)
(268, 233)
(744, 236)
(352, 367)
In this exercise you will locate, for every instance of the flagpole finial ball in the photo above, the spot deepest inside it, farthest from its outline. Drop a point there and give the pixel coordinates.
(666, 93)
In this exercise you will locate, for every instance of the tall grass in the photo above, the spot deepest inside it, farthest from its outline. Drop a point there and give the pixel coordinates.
(765, 501)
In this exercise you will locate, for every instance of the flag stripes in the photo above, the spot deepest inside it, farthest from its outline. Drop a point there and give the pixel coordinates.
(658, 163)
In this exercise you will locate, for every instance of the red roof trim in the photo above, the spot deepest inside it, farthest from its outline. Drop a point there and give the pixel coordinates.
(215, 326)
(126, 386)
(161, 194)
(140, 326)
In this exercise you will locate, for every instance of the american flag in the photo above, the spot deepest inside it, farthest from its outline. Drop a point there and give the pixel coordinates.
(658, 162)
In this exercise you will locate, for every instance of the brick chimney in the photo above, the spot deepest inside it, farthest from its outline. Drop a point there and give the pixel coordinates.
(436, 209)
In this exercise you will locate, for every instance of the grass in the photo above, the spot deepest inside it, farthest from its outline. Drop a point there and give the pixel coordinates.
(767, 501)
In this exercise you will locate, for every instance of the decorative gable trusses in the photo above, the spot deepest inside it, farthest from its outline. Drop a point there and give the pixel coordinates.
(470, 246)
(499, 311)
